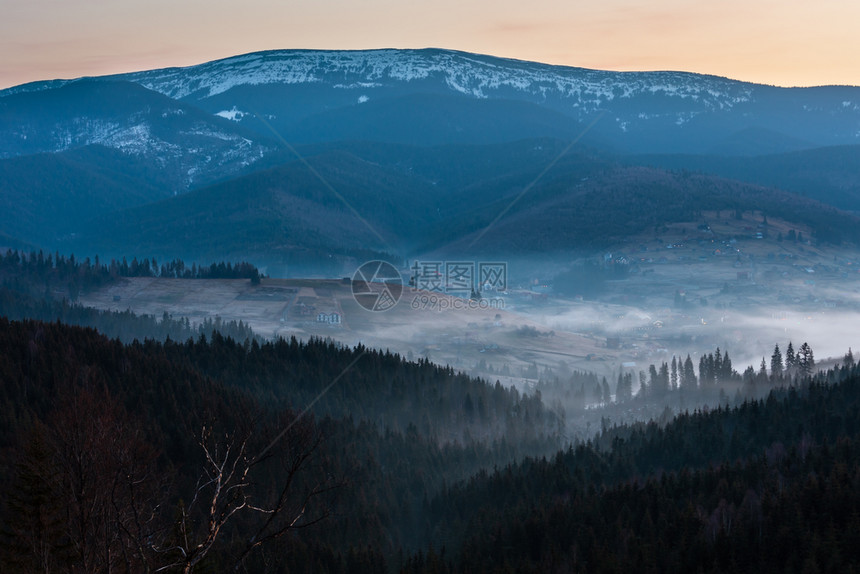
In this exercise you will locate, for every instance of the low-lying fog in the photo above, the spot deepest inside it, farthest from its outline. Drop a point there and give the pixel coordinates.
(747, 334)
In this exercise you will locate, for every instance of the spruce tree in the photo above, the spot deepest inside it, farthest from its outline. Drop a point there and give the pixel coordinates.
(689, 374)
(776, 364)
(790, 357)
(805, 360)
(717, 372)
(726, 367)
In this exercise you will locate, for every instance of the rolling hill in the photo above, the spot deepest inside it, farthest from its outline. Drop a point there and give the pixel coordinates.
(49, 195)
(337, 203)
(828, 174)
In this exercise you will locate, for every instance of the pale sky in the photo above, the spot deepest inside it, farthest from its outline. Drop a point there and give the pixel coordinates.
(782, 42)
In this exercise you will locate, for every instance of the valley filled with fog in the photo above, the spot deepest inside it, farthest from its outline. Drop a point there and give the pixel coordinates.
(737, 282)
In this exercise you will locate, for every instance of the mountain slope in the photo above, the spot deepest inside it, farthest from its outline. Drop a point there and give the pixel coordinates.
(433, 119)
(186, 144)
(590, 205)
(640, 110)
(288, 215)
(755, 141)
(295, 91)
(830, 175)
(47, 196)
(398, 201)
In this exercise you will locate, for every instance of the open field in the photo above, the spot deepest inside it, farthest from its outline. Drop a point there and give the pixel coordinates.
(290, 307)
(688, 288)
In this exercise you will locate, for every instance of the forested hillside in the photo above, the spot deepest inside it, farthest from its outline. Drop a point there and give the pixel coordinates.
(381, 464)
(369, 438)
(768, 486)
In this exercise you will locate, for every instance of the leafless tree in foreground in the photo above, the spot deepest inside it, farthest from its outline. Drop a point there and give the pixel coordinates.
(89, 496)
(262, 486)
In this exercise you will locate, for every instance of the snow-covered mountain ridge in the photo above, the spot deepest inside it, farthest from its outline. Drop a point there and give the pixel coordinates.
(474, 75)
(313, 95)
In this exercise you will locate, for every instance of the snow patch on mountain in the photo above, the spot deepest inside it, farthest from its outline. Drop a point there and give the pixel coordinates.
(234, 114)
(135, 139)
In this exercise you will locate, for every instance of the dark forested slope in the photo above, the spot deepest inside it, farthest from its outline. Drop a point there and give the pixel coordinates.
(770, 486)
(381, 436)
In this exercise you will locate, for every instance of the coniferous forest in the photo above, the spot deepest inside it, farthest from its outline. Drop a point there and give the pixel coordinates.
(141, 444)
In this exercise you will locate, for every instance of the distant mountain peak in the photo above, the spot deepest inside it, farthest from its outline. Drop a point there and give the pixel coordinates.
(475, 75)
(307, 96)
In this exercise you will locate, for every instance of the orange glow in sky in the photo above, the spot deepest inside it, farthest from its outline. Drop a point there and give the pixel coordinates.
(787, 42)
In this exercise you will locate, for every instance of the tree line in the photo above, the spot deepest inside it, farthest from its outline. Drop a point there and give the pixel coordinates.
(60, 276)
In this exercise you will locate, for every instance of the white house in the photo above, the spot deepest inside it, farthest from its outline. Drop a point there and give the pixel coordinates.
(329, 318)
